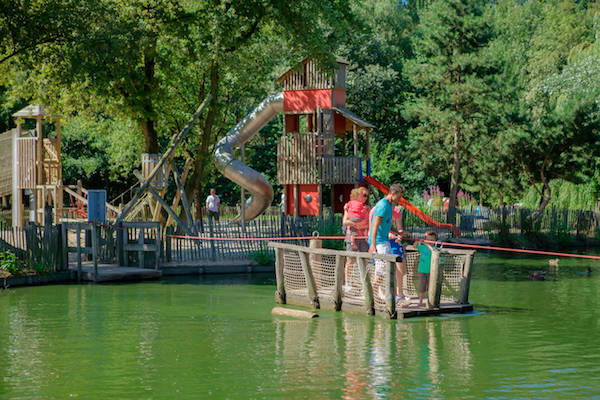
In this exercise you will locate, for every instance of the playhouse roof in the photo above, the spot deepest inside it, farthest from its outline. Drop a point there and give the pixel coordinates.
(32, 110)
(353, 117)
(338, 60)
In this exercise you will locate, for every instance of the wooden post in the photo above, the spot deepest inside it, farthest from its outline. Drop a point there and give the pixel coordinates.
(280, 292)
(78, 230)
(296, 200)
(316, 259)
(339, 281)
(168, 241)
(95, 250)
(465, 281)
(211, 232)
(366, 284)
(435, 280)
(310, 282)
(39, 167)
(141, 252)
(332, 198)
(65, 246)
(390, 299)
(320, 200)
(120, 245)
(158, 247)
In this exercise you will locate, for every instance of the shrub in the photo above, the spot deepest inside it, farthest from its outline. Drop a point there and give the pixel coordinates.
(262, 256)
(10, 263)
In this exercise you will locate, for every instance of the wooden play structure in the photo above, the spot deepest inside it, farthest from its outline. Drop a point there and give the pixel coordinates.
(308, 159)
(350, 281)
(31, 173)
(153, 182)
(31, 168)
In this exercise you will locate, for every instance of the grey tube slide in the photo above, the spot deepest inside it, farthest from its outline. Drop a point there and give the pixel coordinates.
(235, 170)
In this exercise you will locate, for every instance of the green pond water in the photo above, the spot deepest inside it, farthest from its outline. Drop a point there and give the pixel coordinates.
(214, 337)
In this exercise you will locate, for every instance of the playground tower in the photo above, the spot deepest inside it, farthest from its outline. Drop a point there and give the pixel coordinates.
(31, 168)
(323, 145)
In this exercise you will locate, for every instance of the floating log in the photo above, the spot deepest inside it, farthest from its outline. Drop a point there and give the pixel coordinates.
(290, 312)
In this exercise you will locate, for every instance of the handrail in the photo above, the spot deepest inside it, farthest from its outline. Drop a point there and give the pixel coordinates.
(331, 252)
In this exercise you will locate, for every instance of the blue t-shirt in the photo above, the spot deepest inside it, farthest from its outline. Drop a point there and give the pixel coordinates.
(382, 209)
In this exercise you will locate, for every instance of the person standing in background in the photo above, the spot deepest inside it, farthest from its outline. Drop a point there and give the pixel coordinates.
(213, 205)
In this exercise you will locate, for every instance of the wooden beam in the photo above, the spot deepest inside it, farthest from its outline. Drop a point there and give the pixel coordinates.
(280, 293)
(366, 286)
(186, 169)
(184, 200)
(164, 204)
(175, 141)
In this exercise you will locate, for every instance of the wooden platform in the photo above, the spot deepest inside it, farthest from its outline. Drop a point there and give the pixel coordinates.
(405, 311)
(114, 273)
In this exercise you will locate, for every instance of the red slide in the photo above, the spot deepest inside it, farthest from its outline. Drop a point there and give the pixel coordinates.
(404, 203)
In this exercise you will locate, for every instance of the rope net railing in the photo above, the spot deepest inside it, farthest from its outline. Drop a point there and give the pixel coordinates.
(321, 277)
(451, 269)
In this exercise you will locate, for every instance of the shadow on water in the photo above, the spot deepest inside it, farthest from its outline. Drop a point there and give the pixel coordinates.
(255, 278)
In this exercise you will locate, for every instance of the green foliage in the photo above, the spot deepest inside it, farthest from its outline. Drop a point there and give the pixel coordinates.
(567, 195)
(100, 152)
(263, 256)
(331, 227)
(11, 264)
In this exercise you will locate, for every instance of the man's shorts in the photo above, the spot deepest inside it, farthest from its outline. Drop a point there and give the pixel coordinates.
(397, 248)
(213, 214)
(382, 248)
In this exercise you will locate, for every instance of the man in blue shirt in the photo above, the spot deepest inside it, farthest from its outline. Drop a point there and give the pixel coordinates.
(381, 224)
(379, 234)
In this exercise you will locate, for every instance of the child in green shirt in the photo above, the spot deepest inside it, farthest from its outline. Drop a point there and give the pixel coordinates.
(424, 263)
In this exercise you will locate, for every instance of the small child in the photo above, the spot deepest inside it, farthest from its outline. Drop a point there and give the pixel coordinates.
(357, 211)
(425, 263)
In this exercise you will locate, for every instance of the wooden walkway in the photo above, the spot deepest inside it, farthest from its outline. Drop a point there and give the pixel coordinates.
(114, 273)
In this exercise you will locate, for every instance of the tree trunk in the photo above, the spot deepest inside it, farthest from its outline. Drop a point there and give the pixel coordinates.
(203, 157)
(147, 123)
(150, 137)
(544, 199)
(455, 182)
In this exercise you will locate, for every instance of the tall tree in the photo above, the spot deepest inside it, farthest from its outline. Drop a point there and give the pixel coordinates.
(450, 99)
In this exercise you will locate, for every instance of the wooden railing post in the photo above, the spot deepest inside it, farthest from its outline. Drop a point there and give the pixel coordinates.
(158, 247)
(78, 230)
(339, 281)
(280, 293)
(65, 246)
(141, 252)
(168, 241)
(366, 283)
(310, 282)
(120, 245)
(211, 231)
(435, 280)
(465, 281)
(95, 249)
(390, 289)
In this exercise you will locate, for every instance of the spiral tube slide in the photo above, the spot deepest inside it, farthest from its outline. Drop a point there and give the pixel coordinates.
(235, 170)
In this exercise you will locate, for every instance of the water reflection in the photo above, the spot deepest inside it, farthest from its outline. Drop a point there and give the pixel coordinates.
(373, 357)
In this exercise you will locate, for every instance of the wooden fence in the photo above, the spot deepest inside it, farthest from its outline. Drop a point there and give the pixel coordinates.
(485, 224)
(39, 247)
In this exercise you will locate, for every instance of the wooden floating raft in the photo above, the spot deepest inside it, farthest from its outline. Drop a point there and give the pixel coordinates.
(350, 281)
